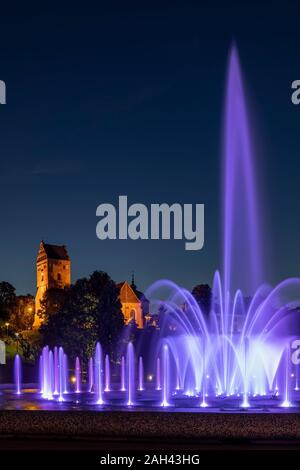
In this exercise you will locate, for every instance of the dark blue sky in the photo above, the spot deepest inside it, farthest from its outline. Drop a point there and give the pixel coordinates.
(125, 97)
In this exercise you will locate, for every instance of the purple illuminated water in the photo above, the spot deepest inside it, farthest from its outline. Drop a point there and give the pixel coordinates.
(242, 266)
(107, 374)
(78, 375)
(98, 362)
(239, 353)
(166, 377)
(123, 375)
(91, 374)
(65, 372)
(62, 374)
(141, 374)
(158, 375)
(46, 375)
(131, 385)
(18, 374)
(56, 372)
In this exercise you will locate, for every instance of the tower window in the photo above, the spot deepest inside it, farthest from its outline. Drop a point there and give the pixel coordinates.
(59, 277)
(132, 314)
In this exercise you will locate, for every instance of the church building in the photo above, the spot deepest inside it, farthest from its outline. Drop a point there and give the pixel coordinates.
(53, 270)
(135, 306)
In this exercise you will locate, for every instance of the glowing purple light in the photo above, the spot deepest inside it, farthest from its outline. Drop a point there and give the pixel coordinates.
(18, 374)
(78, 375)
(107, 374)
(240, 351)
(123, 380)
(130, 375)
(141, 374)
(98, 364)
(91, 374)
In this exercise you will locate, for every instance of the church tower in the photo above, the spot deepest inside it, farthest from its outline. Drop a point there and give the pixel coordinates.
(53, 270)
(135, 306)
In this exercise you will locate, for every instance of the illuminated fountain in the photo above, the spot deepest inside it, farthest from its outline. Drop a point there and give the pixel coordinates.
(242, 347)
(98, 361)
(131, 385)
(123, 374)
(141, 374)
(56, 372)
(91, 374)
(65, 372)
(166, 376)
(158, 375)
(107, 374)
(78, 375)
(237, 356)
(18, 374)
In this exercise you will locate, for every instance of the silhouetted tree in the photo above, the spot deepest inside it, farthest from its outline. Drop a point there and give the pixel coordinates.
(203, 296)
(90, 312)
(29, 350)
(22, 314)
(7, 301)
(133, 331)
(52, 302)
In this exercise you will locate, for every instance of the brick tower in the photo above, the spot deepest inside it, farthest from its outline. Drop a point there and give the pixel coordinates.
(53, 270)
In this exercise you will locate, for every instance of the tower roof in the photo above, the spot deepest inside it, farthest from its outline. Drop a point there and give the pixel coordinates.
(131, 286)
(56, 251)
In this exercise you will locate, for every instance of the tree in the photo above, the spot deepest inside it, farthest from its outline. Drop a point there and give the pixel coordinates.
(29, 350)
(203, 296)
(52, 302)
(90, 312)
(7, 301)
(22, 314)
(132, 331)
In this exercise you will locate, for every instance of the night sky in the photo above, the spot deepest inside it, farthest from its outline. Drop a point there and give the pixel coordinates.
(127, 98)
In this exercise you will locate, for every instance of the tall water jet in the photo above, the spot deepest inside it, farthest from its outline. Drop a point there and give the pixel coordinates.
(245, 403)
(91, 374)
(47, 382)
(65, 373)
(45, 371)
(158, 376)
(51, 373)
(56, 372)
(141, 374)
(203, 403)
(107, 374)
(287, 403)
(166, 377)
(177, 380)
(242, 247)
(130, 375)
(123, 378)
(41, 375)
(296, 379)
(78, 375)
(235, 350)
(98, 377)
(18, 374)
(61, 374)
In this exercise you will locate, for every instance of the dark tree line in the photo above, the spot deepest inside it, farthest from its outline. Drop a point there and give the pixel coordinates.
(77, 317)
(17, 311)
